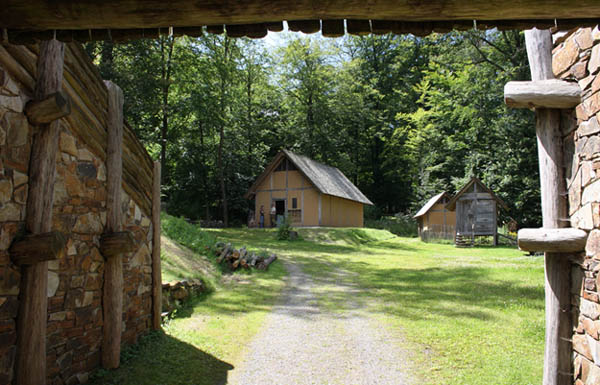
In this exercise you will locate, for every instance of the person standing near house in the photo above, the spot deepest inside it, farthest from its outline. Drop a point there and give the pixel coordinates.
(273, 214)
(261, 221)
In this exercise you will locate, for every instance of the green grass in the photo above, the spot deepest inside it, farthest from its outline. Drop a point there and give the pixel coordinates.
(468, 316)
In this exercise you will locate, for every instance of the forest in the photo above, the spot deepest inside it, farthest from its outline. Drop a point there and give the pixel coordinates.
(404, 117)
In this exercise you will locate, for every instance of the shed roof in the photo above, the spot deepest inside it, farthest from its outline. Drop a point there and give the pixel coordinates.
(452, 203)
(327, 179)
(430, 203)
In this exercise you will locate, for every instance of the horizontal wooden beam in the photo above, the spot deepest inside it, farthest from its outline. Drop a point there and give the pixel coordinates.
(118, 14)
(552, 93)
(49, 109)
(565, 240)
(34, 248)
(117, 243)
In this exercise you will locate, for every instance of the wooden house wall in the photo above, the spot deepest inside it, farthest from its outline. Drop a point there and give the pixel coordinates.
(476, 214)
(340, 212)
(313, 207)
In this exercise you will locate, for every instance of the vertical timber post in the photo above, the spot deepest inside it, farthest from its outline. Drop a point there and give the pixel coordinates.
(113, 271)
(33, 306)
(557, 355)
(156, 274)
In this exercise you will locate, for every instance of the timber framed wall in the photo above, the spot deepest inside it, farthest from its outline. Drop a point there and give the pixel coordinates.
(76, 279)
(576, 58)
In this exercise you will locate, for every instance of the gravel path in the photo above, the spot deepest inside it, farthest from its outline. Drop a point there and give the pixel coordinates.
(301, 343)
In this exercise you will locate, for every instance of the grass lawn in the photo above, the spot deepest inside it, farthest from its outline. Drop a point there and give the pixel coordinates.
(468, 316)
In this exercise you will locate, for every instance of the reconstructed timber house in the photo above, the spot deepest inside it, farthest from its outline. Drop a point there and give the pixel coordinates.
(476, 208)
(472, 212)
(435, 220)
(309, 192)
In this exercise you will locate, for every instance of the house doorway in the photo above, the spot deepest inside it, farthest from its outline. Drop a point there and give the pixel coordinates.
(280, 211)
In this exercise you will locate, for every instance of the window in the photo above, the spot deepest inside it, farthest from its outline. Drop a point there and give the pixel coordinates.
(294, 203)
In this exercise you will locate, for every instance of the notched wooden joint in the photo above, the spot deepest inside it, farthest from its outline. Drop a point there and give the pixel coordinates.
(55, 106)
(567, 240)
(35, 248)
(117, 243)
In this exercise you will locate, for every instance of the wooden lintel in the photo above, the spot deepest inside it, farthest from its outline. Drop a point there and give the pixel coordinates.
(44, 111)
(551, 93)
(117, 243)
(35, 248)
(83, 15)
(567, 240)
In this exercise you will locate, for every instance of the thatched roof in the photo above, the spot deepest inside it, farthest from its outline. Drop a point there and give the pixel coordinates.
(430, 203)
(327, 179)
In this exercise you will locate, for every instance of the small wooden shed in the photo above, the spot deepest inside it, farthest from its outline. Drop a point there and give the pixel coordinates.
(435, 220)
(309, 192)
(476, 208)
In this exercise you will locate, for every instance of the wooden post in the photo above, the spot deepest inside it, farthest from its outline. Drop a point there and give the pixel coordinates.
(113, 269)
(557, 357)
(33, 306)
(156, 273)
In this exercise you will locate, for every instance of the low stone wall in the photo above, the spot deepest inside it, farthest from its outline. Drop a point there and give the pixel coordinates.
(175, 293)
(576, 58)
(75, 282)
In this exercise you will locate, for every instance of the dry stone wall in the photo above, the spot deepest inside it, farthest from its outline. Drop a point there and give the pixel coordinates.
(576, 58)
(75, 282)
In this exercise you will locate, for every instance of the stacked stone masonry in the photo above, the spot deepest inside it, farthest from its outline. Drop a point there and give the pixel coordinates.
(576, 58)
(75, 282)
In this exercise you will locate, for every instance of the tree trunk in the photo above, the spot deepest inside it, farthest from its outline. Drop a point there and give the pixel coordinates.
(222, 133)
(165, 84)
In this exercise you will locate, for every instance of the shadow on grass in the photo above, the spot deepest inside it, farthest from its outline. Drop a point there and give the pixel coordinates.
(161, 359)
(458, 293)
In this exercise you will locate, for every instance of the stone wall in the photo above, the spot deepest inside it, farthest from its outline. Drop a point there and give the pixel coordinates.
(576, 57)
(75, 282)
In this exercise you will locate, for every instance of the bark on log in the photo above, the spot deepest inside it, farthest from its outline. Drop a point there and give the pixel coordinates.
(35, 248)
(113, 268)
(265, 264)
(49, 109)
(156, 269)
(116, 244)
(567, 240)
(33, 307)
(49, 15)
(557, 357)
(551, 93)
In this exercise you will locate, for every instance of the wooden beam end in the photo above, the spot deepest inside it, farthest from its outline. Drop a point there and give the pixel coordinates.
(567, 240)
(117, 243)
(35, 248)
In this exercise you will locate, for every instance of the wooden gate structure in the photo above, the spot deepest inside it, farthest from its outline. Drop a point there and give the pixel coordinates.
(54, 22)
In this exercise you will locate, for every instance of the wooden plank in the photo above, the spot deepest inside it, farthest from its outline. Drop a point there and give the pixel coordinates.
(552, 93)
(117, 243)
(156, 272)
(35, 248)
(305, 26)
(31, 322)
(557, 357)
(567, 240)
(115, 14)
(54, 107)
(358, 27)
(113, 268)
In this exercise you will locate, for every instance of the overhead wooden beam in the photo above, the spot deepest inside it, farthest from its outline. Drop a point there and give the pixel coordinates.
(156, 269)
(557, 354)
(35, 248)
(112, 305)
(551, 93)
(33, 306)
(333, 28)
(53, 107)
(567, 240)
(304, 26)
(117, 14)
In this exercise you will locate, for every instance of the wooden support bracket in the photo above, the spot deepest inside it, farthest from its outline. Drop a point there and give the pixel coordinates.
(567, 240)
(55, 106)
(551, 93)
(34, 248)
(117, 243)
